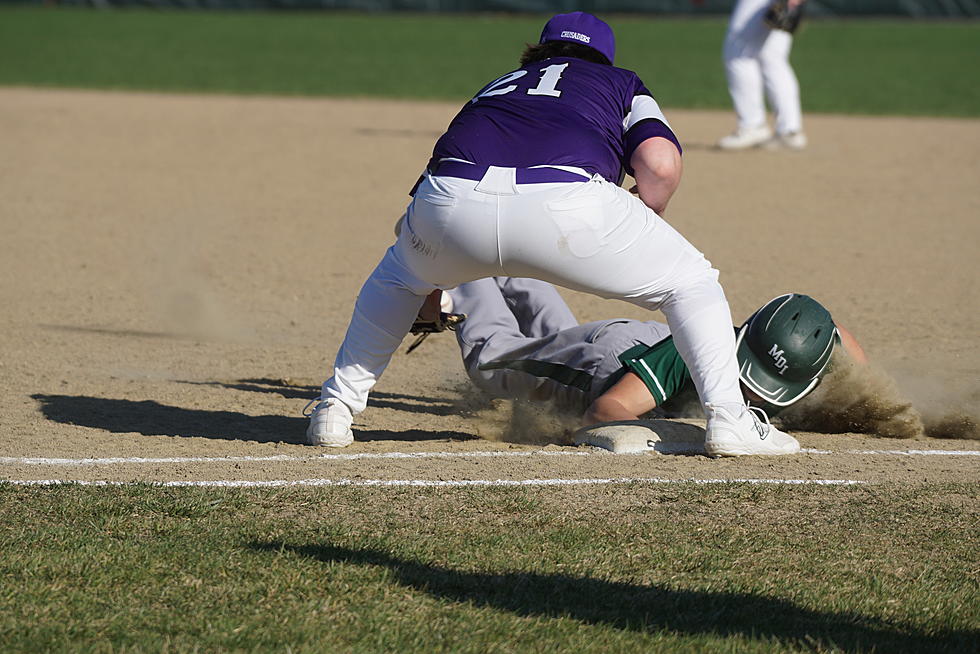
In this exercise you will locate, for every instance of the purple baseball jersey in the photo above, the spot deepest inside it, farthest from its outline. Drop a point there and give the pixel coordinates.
(561, 111)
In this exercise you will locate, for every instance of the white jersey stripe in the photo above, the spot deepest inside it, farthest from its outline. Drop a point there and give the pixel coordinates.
(642, 108)
(663, 395)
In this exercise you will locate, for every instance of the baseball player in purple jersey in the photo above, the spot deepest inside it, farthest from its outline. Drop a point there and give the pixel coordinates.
(520, 340)
(525, 183)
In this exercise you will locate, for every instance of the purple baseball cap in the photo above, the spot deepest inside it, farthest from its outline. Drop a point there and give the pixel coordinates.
(580, 27)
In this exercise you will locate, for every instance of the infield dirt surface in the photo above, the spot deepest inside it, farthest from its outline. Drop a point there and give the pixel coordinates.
(178, 271)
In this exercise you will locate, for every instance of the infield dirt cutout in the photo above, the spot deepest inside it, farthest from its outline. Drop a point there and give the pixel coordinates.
(178, 271)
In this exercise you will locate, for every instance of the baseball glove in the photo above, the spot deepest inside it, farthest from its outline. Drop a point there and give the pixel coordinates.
(780, 16)
(422, 328)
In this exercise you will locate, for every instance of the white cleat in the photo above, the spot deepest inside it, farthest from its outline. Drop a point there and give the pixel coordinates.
(790, 141)
(330, 424)
(728, 434)
(746, 137)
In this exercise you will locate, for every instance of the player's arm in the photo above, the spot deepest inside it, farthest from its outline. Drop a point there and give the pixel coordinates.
(657, 169)
(628, 399)
(651, 151)
(851, 346)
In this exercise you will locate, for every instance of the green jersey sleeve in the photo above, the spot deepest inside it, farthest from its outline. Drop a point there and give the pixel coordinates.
(660, 367)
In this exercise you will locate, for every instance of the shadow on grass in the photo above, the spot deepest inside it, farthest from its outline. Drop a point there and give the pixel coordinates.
(646, 608)
(154, 419)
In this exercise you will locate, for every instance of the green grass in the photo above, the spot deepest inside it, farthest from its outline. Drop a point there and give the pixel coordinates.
(735, 568)
(873, 67)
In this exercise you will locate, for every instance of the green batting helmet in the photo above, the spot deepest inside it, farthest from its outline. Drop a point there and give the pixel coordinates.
(783, 349)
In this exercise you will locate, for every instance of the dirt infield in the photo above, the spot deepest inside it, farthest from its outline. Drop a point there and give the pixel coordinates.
(177, 272)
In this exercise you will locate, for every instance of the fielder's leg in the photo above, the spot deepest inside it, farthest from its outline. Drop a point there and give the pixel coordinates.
(745, 87)
(389, 302)
(745, 36)
(782, 88)
(387, 305)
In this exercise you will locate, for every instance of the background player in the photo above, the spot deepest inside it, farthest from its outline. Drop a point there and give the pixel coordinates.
(520, 340)
(526, 182)
(757, 59)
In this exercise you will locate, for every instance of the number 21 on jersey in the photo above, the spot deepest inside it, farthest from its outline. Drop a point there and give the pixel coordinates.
(547, 84)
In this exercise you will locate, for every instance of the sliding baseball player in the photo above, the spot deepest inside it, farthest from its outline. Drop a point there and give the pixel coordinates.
(519, 339)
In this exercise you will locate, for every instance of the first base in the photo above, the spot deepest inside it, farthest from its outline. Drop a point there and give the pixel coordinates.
(629, 437)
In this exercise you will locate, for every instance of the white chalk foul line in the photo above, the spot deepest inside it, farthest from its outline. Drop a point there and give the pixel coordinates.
(425, 483)
(46, 461)
(898, 452)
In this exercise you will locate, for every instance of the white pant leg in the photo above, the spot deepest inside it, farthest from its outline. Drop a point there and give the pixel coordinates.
(745, 37)
(421, 260)
(416, 264)
(701, 323)
(387, 305)
(745, 87)
(782, 87)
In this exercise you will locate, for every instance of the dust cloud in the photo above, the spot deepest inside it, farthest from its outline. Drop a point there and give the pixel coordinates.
(523, 422)
(948, 410)
(852, 398)
(864, 399)
(184, 293)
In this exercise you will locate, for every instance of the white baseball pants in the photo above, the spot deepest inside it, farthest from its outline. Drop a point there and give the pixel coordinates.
(590, 236)
(756, 60)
